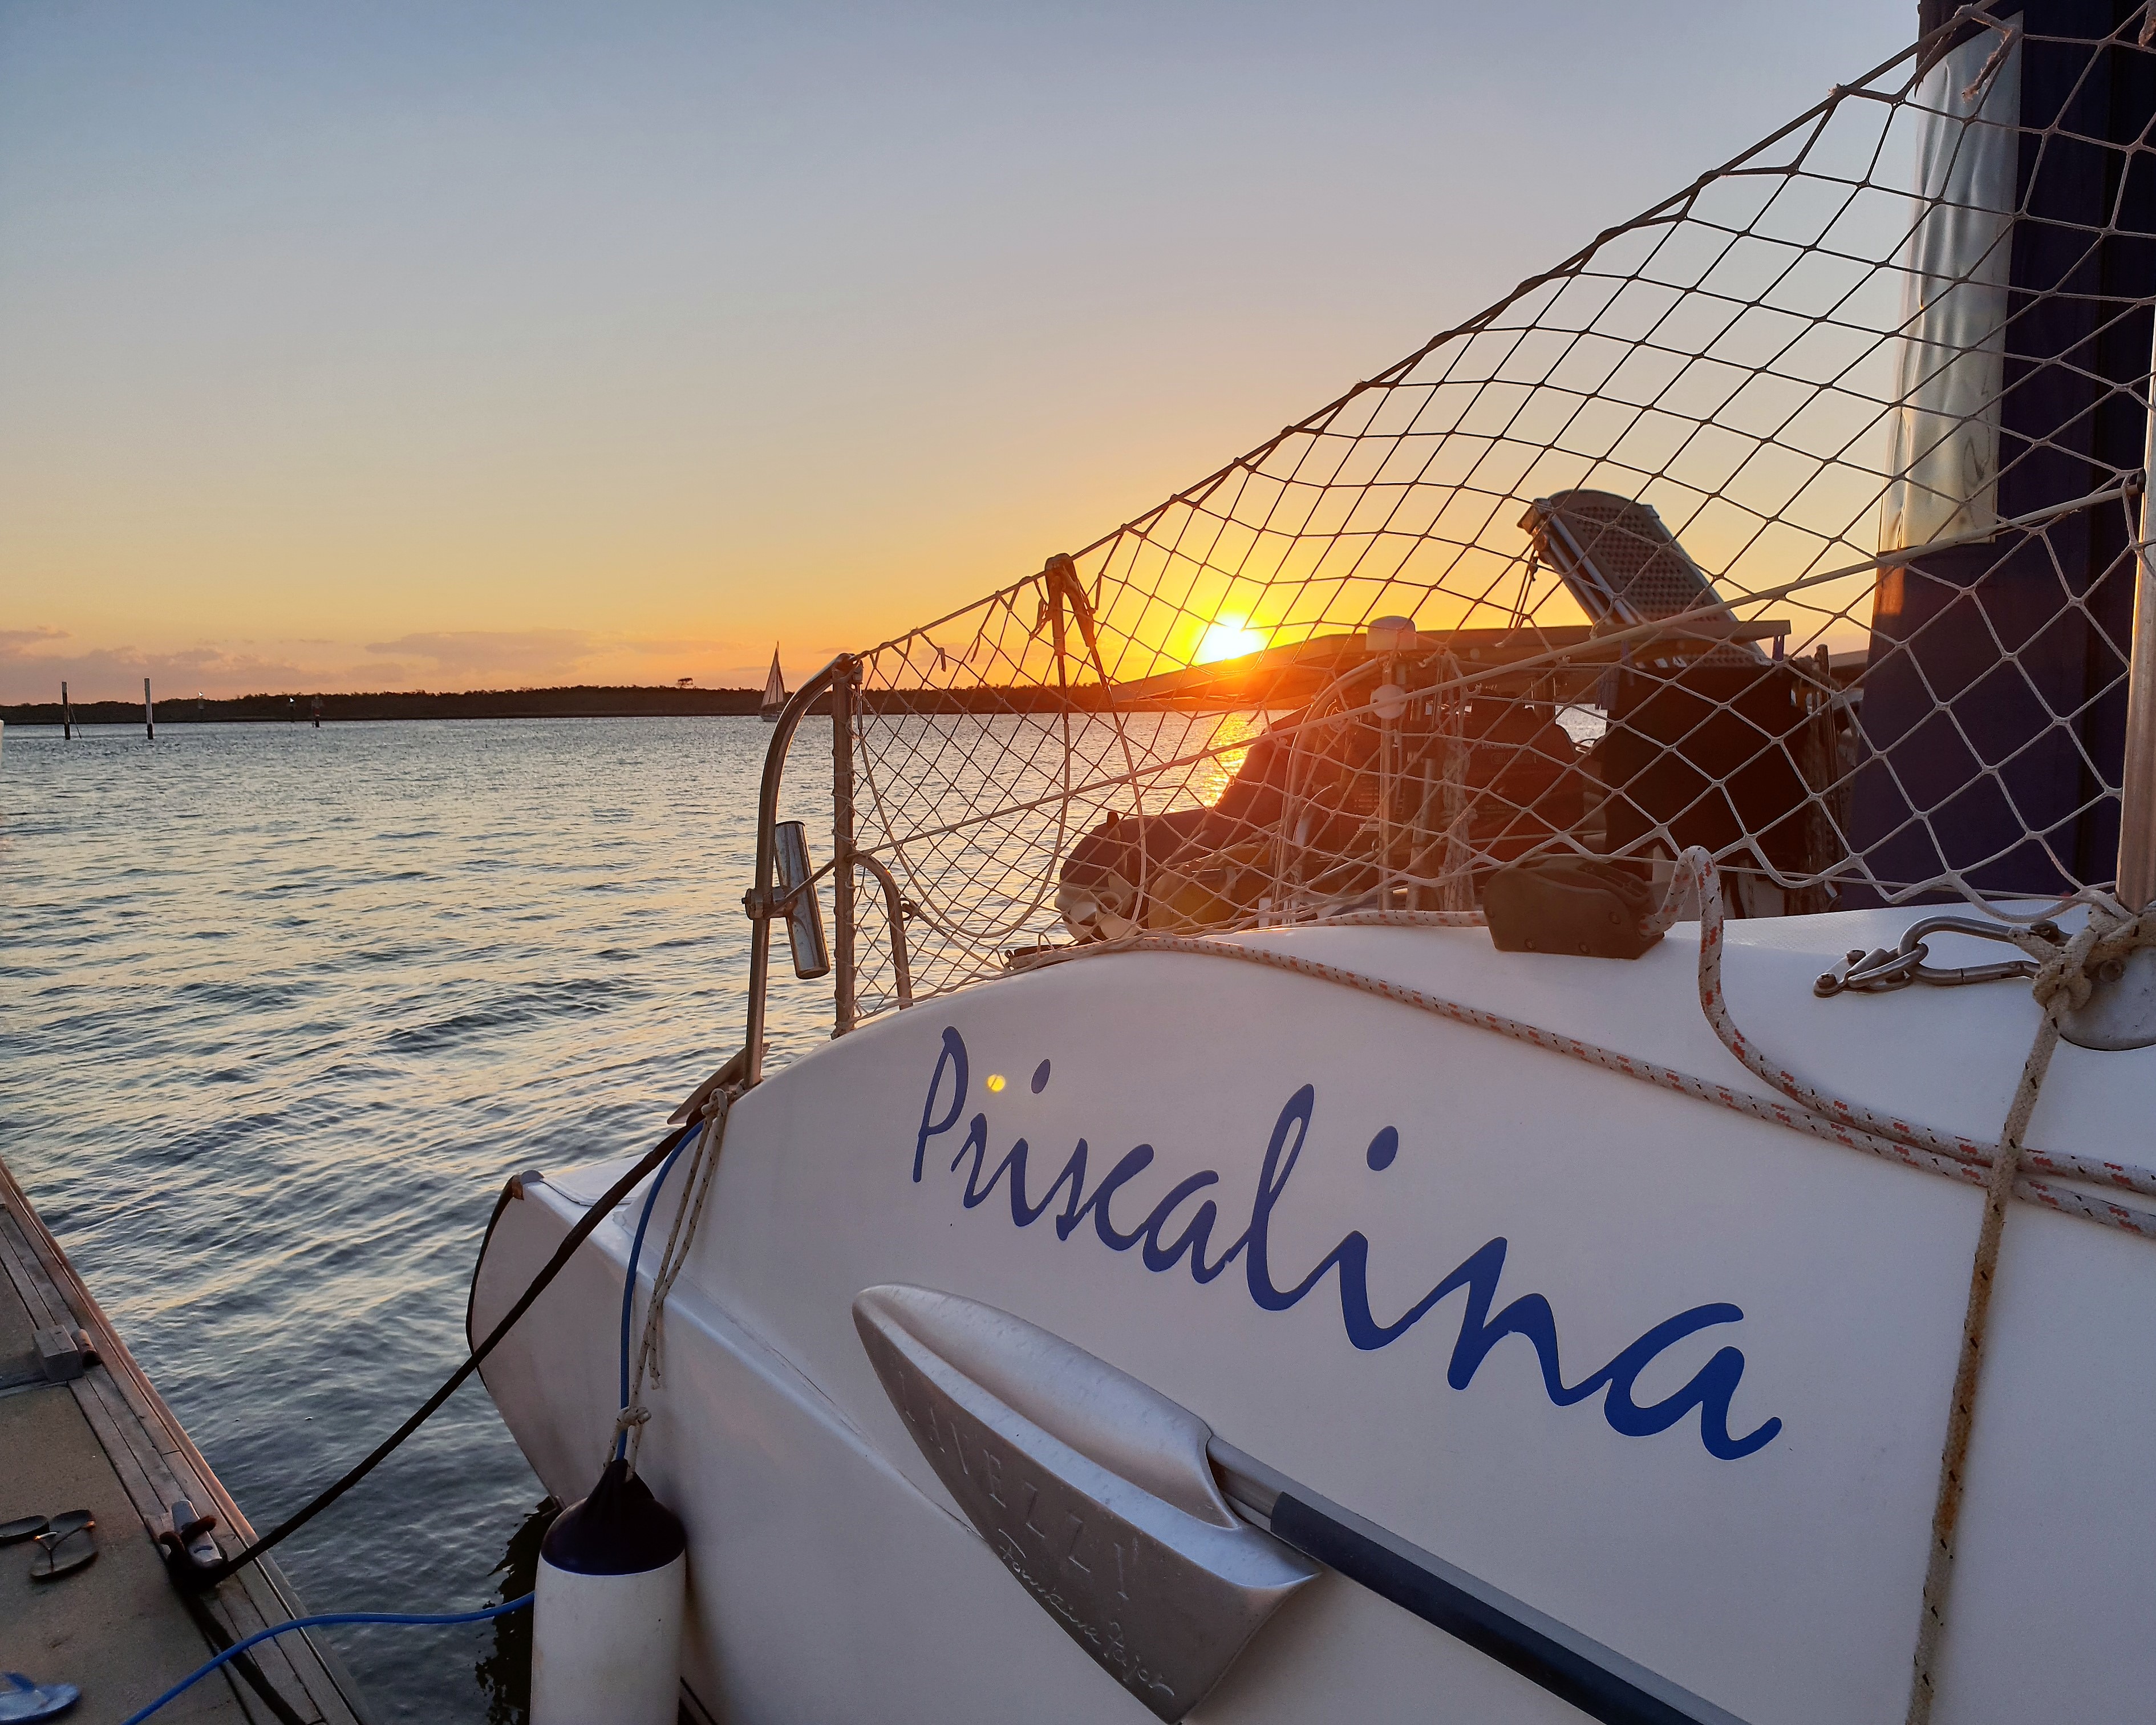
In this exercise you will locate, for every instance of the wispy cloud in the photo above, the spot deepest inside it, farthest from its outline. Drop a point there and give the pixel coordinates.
(116, 673)
(529, 656)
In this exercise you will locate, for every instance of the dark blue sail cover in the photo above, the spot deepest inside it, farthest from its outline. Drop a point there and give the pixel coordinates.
(1993, 697)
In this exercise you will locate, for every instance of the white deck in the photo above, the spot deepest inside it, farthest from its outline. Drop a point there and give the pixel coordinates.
(1780, 1583)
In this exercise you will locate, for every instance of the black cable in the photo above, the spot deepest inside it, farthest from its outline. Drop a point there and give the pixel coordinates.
(219, 1639)
(208, 1575)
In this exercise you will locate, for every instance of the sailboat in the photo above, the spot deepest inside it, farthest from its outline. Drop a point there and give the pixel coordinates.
(1567, 1135)
(774, 692)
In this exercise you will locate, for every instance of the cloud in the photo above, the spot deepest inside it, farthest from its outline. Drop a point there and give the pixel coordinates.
(532, 657)
(529, 656)
(116, 673)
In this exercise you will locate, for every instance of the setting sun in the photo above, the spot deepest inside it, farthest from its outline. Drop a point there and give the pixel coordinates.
(1228, 638)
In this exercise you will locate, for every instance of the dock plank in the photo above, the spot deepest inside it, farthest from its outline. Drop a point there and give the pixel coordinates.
(115, 1630)
(129, 1442)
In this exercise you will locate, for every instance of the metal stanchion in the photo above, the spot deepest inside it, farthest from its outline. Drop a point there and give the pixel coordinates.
(2137, 810)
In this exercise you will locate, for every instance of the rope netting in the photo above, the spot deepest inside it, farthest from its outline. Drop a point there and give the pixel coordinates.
(1795, 519)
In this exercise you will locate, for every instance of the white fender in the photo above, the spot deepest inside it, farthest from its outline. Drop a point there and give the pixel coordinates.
(606, 1649)
(606, 1635)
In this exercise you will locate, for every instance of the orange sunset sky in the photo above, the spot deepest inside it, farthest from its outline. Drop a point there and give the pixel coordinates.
(468, 345)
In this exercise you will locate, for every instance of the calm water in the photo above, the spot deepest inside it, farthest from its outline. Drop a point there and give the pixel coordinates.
(280, 1010)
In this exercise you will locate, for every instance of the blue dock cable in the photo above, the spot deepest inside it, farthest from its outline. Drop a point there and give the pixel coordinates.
(238, 1648)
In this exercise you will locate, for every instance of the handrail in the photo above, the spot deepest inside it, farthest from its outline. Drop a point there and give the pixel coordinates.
(762, 901)
(846, 678)
(894, 914)
(757, 900)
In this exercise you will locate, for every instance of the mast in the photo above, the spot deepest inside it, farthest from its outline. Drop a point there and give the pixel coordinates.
(2031, 321)
(2137, 814)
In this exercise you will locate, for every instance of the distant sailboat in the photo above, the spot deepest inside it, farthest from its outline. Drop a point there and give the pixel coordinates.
(774, 691)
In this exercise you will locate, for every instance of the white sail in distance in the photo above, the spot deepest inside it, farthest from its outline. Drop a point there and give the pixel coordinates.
(774, 691)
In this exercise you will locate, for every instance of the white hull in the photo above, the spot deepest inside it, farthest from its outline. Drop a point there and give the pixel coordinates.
(1774, 1569)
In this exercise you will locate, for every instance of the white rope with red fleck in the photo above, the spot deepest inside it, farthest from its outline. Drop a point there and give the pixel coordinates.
(2063, 971)
(1961, 1405)
(1830, 1119)
(2062, 983)
(1398, 919)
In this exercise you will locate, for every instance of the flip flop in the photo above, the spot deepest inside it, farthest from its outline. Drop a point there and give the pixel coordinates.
(20, 1699)
(21, 1528)
(63, 1554)
(68, 1521)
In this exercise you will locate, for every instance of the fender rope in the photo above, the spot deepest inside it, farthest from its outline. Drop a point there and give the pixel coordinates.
(627, 1437)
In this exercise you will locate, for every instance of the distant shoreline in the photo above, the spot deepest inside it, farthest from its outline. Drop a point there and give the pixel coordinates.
(583, 701)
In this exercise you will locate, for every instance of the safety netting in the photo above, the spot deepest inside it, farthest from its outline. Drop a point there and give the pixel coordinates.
(1796, 518)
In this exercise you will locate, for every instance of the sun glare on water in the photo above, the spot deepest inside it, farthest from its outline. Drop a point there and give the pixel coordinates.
(1228, 638)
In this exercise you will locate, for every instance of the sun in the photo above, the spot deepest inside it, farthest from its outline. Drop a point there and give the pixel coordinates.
(1228, 638)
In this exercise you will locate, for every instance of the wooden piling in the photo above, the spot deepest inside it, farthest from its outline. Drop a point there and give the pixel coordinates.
(149, 713)
(67, 715)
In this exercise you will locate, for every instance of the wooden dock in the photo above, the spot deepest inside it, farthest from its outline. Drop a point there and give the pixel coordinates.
(105, 1442)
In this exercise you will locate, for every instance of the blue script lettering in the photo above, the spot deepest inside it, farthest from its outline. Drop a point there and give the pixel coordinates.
(1710, 1388)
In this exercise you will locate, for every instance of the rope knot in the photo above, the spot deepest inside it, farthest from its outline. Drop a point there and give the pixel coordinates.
(2065, 976)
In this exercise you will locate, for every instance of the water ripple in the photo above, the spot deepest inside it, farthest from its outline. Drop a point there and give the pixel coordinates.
(280, 1008)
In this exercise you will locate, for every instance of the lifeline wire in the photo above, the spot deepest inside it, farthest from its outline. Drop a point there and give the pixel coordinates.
(324, 1620)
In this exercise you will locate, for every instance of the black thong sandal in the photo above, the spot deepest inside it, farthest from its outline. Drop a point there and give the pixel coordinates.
(69, 1544)
(21, 1528)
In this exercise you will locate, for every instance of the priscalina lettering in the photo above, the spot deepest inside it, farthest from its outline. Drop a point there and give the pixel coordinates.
(1528, 1318)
